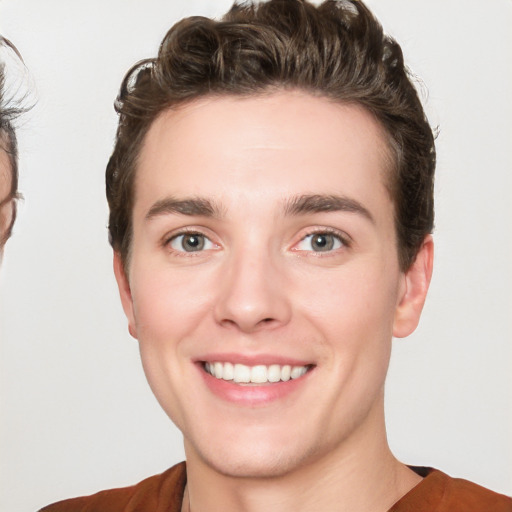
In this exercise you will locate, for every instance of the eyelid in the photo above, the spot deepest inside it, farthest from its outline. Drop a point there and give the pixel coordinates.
(188, 230)
(343, 237)
(207, 244)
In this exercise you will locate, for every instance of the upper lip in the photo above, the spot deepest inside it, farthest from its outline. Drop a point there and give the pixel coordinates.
(252, 359)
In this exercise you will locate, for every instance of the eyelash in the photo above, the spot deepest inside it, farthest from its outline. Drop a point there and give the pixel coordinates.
(342, 238)
(167, 242)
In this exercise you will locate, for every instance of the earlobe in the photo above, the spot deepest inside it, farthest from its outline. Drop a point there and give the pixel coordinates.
(125, 293)
(416, 283)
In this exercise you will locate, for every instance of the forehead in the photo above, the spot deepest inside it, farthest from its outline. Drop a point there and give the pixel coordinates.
(289, 142)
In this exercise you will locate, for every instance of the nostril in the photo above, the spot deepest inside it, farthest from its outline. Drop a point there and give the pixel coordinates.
(229, 322)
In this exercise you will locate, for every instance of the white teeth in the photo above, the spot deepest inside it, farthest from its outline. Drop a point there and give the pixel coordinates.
(242, 373)
(259, 374)
(274, 373)
(218, 370)
(228, 371)
(298, 371)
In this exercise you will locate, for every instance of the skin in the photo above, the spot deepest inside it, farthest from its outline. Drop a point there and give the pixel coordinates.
(259, 286)
(5, 190)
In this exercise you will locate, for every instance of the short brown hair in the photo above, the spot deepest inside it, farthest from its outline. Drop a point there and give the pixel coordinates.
(336, 50)
(9, 110)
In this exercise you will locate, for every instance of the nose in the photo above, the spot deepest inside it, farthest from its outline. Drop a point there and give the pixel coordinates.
(252, 295)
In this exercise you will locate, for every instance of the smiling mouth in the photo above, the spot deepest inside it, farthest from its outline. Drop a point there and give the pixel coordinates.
(258, 374)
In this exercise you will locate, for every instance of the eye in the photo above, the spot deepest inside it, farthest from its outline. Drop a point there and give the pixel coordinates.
(320, 242)
(191, 242)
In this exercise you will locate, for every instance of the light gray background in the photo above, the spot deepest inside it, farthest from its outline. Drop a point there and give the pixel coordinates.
(76, 413)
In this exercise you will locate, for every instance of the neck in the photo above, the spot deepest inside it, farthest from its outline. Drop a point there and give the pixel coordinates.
(361, 475)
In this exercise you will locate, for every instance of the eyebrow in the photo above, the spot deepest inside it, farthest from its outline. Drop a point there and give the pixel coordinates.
(317, 203)
(299, 205)
(195, 206)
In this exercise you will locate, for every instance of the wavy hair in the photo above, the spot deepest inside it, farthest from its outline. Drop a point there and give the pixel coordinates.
(335, 50)
(9, 111)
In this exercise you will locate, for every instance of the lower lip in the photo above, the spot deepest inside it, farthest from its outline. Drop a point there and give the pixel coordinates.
(252, 394)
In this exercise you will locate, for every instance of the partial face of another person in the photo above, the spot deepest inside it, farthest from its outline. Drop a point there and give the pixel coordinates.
(263, 282)
(6, 204)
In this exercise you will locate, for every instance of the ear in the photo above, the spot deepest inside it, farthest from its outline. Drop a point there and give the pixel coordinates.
(414, 290)
(125, 293)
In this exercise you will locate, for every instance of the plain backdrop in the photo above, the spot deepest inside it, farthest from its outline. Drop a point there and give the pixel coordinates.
(76, 413)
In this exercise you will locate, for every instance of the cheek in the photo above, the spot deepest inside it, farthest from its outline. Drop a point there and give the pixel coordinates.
(353, 308)
(6, 211)
(167, 309)
(167, 305)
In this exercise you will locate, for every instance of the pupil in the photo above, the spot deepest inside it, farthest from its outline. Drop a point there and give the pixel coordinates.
(193, 243)
(323, 242)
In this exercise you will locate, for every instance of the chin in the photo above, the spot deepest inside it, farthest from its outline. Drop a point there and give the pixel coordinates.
(254, 460)
(254, 467)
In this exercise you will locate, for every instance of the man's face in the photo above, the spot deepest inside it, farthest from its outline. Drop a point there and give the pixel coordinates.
(264, 244)
(5, 191)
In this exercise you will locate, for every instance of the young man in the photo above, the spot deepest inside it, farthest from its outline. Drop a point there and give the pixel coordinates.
(8, 156)
(271, 209)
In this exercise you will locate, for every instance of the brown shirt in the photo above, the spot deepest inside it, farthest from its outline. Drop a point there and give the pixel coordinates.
(437, 492)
